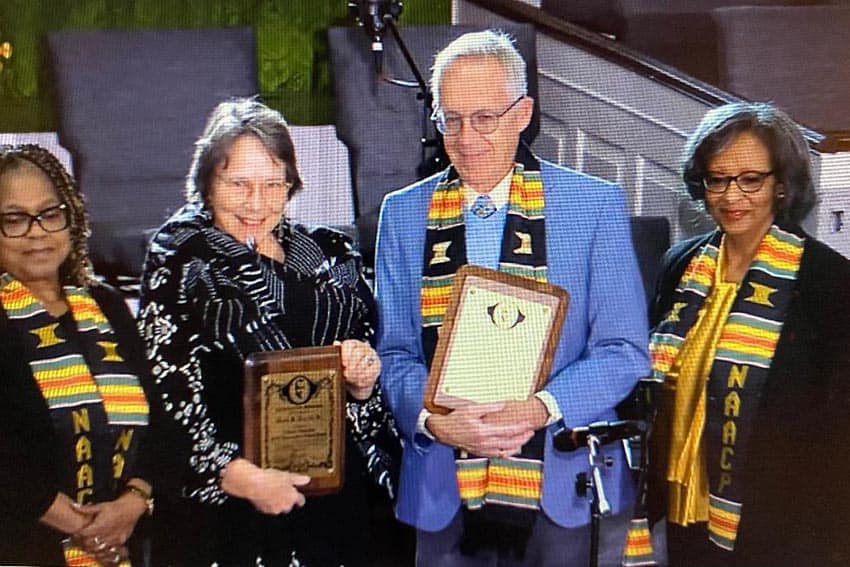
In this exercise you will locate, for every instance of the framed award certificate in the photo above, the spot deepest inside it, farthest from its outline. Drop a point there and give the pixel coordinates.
(498, 339)
(294, 414)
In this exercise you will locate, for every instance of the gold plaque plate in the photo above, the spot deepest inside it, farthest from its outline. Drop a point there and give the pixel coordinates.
(498, 339)
(294, 406)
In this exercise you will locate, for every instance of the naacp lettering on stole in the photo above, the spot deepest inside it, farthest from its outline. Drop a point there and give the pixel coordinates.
(731, 410)
(83, 454)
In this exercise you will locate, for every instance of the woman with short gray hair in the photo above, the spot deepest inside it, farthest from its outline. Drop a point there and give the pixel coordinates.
(229, 275)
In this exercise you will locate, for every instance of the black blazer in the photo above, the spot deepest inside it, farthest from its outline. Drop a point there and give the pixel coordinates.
(796, 507)
(28, 475)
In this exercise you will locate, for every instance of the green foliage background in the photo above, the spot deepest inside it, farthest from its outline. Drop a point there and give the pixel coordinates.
(292, 51)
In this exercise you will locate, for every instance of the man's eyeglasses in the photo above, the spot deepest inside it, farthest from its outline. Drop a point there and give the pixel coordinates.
(267, 186)
(51, 219)
(747, 181)
(482, 121)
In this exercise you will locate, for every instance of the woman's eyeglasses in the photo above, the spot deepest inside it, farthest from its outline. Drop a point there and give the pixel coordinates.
(18, 224)
(747, 181)
(267, 186)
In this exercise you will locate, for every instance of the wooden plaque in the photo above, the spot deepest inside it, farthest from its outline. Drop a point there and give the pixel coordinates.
(294, 404)
(497, 341)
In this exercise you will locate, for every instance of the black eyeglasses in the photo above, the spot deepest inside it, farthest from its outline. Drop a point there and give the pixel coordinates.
(482, 121)
(747, 181)
(51, 219)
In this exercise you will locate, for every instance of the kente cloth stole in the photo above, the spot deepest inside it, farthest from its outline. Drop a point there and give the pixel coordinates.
(743, 357)
(510, 481)
(74, 384)
(76, 557)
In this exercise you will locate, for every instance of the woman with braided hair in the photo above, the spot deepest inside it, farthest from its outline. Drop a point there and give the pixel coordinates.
(75, 452)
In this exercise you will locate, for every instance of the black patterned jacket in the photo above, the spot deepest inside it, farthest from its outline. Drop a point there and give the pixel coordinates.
(208, 301)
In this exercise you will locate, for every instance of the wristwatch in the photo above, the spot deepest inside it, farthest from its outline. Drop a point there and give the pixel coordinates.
(144, 495)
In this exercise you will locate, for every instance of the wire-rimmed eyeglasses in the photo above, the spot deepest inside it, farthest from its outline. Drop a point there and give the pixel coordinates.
(747, 181)
(51, 219)
(245, 184)
(482, 121)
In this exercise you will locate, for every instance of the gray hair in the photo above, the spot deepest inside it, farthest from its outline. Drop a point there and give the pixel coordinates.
(488, 43)
(228, 121)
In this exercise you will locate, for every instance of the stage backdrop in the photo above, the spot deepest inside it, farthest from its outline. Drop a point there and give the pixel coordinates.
(292, 52)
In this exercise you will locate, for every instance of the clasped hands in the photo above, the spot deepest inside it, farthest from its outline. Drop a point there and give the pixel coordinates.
(102, 529)
(497, 429)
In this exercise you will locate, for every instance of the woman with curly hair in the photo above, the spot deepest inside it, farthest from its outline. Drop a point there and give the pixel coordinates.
(75, 453)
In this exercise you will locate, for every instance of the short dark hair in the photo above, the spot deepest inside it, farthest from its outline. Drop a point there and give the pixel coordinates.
(228, 121)
(789, 153)
(76, 269)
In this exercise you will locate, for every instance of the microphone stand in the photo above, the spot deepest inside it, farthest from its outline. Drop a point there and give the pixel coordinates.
(387, 19)
(640, 411)
(438, 160)
(424, 95)
(599, 505)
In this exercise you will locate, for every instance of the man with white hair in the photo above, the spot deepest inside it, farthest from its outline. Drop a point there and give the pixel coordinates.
(499, 206)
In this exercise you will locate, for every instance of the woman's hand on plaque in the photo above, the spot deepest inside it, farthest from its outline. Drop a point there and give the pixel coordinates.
(271, 491)
(361, 367)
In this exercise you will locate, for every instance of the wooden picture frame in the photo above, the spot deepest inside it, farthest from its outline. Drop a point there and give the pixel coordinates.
(498, 339)
(294, 414)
